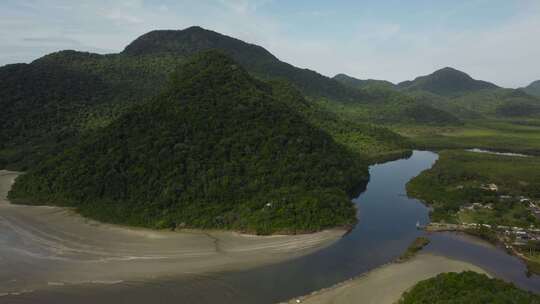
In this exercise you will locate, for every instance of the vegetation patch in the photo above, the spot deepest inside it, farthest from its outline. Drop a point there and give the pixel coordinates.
(468, 288)
(418, 244)
(494, 197)
(216, 149)
(457, 188)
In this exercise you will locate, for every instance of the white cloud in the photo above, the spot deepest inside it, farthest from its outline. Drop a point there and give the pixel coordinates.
(506, 53)
(121, 17)
(244, 6)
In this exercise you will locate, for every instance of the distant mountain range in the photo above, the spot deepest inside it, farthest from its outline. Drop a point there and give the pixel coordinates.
(446, 96)
(446, 82)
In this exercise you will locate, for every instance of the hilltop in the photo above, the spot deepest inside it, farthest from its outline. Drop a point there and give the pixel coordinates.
(53, 101)
(363, 83)
(533, 88)
(215, 149)
(253, 58)
(446, 82)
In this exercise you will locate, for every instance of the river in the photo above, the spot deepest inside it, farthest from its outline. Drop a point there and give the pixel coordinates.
(386, 226)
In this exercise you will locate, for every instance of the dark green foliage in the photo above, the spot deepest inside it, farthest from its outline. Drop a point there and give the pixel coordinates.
(216, 149)
(418, 244)
(466, 288)
(446, 82)
(48, 104)
(425, 114)
(456, 180)
(498, 103)
(363, 84)
(533, 88)
(254, 58)
(457, 93)
(518, 109)
(366, 139)
(390, 107)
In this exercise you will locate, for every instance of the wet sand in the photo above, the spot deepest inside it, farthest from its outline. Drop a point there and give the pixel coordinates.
(386, 284)
(46, 247)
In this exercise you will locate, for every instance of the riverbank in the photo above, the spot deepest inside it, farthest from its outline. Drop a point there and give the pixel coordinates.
(387, 283)
(505, 237)
(46, 246)
(487, 194)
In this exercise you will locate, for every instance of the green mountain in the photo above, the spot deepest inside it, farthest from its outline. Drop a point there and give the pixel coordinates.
(445, 97)
(501, 103)
(255, 59)
(447, 82)
(48, 104)
(391, 106)
(363, 84)
(368, 140)
(459, 95)
(216, 149)
(533, 88)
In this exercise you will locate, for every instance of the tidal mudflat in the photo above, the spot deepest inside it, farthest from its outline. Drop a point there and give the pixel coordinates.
(386, 284)
(48, 247)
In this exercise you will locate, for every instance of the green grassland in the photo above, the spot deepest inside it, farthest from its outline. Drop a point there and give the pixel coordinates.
(507, 135)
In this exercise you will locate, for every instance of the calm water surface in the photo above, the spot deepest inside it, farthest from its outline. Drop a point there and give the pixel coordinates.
(387, 219)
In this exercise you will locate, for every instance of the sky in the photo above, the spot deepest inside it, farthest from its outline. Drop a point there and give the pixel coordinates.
(493, 40)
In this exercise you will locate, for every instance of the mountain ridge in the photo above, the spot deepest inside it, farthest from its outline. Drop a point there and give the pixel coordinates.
(447, 82)
(254, 58)
(533, 88)
(362, 83)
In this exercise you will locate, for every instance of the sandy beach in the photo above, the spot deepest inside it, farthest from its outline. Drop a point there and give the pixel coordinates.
(51, 246)
(386, 284)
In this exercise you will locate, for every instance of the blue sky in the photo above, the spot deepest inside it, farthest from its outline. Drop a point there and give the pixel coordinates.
(495, 40)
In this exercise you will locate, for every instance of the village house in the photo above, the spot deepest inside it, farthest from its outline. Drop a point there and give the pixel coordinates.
(490, 187)
(476, 206)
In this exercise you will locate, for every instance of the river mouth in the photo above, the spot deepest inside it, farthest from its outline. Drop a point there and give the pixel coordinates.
(386, 226)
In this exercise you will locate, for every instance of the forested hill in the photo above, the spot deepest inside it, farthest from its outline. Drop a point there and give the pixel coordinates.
(254, 58)
(52, 101)
(363, 83)
(533, 88)
(447, 82)
(48, 104)
(216, 149)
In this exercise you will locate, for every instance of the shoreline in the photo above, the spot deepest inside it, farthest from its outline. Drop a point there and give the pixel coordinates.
(55, 244)
(386, 283)
(73, 212)
(497, 242)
